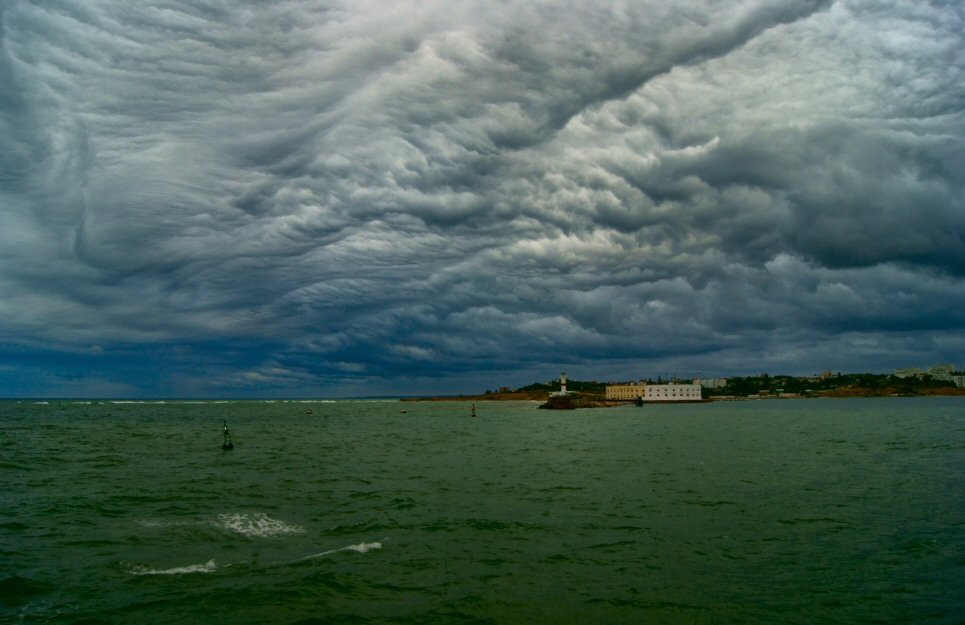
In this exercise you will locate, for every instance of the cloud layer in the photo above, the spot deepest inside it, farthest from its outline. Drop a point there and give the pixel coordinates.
(310, 197)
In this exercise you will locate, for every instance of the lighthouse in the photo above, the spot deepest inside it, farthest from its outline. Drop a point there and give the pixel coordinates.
(562, 399)
(562, 392)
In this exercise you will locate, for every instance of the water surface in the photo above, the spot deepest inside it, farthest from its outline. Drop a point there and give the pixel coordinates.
(806, 511)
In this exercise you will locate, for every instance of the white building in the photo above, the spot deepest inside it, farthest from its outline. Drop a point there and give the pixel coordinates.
(672, 392)
(942, 372)
(938, 372)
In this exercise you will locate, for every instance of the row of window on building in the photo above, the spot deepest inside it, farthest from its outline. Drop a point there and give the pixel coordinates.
(654, 392)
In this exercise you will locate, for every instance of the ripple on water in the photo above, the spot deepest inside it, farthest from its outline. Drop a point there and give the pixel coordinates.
(727, 516)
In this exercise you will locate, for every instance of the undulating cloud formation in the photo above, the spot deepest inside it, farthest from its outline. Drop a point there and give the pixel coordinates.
(229, 197)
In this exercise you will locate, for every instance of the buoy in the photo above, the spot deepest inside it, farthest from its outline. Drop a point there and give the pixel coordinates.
(474, 409)
(227, 445)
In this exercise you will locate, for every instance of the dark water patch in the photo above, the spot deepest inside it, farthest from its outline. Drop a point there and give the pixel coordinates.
(447, 617)
(619, 602)
(403, 503)
(86, 619)
(619, 545)
(397, 588)
(442, 526)
(366, 495)
(709, 503)
(485, 525)
(900, 590)
(560, 557)
(915, 548)
(106, 461)
(941, 446)
(335, 619)
(13, 526)
(729, 554)
(16, 590)
(14, 466)
(493, 525)
(673, 606)
(630, 528)
(100, 509)
(90, 542)
(128, 501)
(372, 526)
(560, 488)
(334, 582)
(811, 521)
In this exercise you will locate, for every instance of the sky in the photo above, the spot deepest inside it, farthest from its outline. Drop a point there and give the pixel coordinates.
(228, 198)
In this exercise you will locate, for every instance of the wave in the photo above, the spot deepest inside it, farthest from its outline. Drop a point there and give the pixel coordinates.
(207, 567)
(359, 548)
(256, 525)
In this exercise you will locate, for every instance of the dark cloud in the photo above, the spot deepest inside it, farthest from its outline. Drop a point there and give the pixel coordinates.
(305, 197)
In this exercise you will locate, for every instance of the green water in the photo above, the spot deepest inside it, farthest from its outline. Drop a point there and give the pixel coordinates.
(807, 511)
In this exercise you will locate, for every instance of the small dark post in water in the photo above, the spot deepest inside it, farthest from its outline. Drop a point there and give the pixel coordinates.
(227, 445)
(474, 409)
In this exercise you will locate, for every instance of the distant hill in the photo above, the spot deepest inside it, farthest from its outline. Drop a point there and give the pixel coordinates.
(576, 386)
(539, 391)
(839, 385)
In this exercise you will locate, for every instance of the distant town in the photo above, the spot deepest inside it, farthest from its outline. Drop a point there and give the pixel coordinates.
(941, 379)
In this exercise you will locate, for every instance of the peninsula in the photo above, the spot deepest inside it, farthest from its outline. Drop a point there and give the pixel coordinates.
(586, 394)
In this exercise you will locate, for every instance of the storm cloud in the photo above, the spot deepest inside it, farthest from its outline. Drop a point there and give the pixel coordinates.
(313, 197)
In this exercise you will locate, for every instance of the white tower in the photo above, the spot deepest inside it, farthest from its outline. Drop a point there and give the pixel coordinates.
(563, 382)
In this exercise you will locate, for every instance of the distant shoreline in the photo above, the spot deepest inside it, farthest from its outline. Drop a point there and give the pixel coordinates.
(486, 397)
(843, 393)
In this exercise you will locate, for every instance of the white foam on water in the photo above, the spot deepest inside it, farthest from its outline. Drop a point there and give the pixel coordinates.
(207, 567)
(363, 547)
(256, 525)
(359, 548)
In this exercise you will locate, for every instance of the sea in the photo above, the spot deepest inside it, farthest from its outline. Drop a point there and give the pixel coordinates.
(776, 511)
